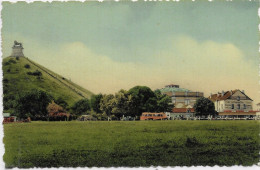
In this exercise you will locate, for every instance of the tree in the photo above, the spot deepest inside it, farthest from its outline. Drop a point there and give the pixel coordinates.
(56, 112)
(121, 104)
(95, 102)
(32, 104)
(53, 109)
(60, 101)
(107, 104)
(144, 100)
(81, 107)
(204, 107)
(164, 103)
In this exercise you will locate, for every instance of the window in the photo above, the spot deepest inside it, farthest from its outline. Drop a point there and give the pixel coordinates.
(244, 106)
(173, 100)
(238, 98)
(233, 106)
(238, 106)
(187, 101)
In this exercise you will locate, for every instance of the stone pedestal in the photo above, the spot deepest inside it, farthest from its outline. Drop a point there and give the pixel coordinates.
(17, 50)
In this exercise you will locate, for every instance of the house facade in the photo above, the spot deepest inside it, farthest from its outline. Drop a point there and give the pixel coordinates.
(181, 98)
(258, 107)
(233, 100)
(233, 103)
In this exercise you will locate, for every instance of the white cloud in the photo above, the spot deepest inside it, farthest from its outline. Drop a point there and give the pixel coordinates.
(203, 66)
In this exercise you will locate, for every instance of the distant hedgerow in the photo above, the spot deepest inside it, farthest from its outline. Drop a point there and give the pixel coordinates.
(35, 73)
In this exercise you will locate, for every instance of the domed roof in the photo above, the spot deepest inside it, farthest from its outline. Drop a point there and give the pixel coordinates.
(173, 89)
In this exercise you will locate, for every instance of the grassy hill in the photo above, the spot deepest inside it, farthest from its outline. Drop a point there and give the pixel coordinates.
(21, 75)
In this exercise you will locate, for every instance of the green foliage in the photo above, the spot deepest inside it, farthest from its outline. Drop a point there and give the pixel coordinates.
(32, 104)
(135, 101)
(19, 82)
(131, 144)
(95, 102)
(8, 102)
(144, 100)
(60, 101)
(5, 80)
(204, 107)
(27, 66)
(11, 61)
(35, 73)
(164, 103)
(122, 103)
(107, 104)
(81, 107)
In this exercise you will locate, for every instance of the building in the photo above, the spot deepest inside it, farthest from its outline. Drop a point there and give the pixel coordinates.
(17, 50)
(8, 118)
(233, 103)
(233, 100)
(258, 106)
(181, 98)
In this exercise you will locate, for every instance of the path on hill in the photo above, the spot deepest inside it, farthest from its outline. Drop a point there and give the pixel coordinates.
(55, 77)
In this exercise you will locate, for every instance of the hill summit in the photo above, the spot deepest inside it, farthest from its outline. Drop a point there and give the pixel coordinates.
(21, 74)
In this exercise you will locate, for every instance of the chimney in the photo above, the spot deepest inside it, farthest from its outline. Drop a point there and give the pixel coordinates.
(222, 92)
(243, 91)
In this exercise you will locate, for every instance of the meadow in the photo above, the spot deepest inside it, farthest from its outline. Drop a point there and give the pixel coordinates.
(131, 144)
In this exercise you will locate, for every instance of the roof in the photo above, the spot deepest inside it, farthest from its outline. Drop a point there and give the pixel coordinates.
(227, 94)
(173, 89)
(182, 110)
(152, 113)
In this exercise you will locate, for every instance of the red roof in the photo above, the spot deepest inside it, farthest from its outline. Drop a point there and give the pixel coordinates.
(225, 96)
(219, 96)
(182, 110)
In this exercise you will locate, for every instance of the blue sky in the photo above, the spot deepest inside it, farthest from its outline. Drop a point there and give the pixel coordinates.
(154, 43)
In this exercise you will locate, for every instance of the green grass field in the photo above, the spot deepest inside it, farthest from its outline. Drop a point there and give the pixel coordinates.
(139, 143)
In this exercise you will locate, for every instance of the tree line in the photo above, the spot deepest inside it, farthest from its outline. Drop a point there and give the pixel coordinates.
(38, 104)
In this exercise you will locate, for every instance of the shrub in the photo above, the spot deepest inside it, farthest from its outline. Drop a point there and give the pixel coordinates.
(35, 73)
(17, 58)
(5, 80)
(29, 73)
(12, 61)
(6, 63)
(8, 70)
(27, 66)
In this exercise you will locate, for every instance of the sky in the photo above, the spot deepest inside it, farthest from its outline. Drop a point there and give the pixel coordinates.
(104, 47)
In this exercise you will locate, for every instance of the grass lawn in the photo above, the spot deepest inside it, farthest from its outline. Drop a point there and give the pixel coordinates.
(133, 143)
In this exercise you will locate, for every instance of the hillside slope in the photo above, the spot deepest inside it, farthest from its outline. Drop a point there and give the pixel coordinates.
(19, 78)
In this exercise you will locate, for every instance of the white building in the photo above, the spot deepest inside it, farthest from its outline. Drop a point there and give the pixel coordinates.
(234, 103)
(234, 100)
